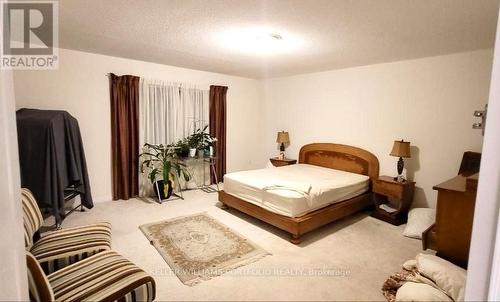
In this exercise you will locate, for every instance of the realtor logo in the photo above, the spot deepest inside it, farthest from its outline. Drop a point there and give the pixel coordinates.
(29, 35)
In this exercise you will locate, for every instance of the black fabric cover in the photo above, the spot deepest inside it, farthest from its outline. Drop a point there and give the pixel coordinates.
(51, 157)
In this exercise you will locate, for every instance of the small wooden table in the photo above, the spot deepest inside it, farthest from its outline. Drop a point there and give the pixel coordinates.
(398, 195)
(282, 162)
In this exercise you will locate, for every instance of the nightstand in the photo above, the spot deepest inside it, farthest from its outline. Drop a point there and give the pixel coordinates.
(397, 195)
(282, 162)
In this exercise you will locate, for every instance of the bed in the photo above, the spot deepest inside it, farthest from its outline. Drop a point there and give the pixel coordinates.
(331, 181)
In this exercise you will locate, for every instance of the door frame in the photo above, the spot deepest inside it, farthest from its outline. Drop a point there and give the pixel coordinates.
(13, 275)
(483, 275)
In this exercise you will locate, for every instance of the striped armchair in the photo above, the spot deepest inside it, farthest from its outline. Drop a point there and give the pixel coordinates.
(61, 248)
(106, 276)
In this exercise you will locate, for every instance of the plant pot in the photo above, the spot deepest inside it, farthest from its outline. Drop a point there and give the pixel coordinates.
(165, 191)
(192, 152)
(200, 153)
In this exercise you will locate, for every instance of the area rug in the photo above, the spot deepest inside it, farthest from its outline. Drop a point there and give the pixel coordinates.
(198, 247)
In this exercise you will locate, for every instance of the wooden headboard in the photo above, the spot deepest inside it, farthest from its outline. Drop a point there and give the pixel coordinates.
(340, 157)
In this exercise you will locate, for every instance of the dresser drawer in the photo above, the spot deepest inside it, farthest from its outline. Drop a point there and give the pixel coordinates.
(388, 189)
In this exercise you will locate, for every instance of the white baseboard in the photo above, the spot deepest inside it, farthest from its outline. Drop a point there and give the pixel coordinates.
(102, 198)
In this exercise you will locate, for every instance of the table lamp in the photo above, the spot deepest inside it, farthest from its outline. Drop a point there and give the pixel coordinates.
(282, 139)
(400, 149)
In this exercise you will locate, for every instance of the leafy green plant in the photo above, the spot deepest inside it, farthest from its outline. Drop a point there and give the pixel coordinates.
(182, 148)
(200, 139)
(162, 160)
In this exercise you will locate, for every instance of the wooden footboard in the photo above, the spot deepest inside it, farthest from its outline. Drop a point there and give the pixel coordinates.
(298, 226)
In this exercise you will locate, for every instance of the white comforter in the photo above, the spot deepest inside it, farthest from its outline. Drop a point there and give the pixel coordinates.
(296, 189)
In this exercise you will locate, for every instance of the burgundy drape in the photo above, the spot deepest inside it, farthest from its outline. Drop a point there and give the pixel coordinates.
(217, 122)
(124, 92)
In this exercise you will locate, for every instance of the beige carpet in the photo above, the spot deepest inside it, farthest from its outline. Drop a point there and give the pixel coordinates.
(358, 254)
(198, 247)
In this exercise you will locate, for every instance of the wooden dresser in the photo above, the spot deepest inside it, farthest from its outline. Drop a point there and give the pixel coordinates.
(450, 235)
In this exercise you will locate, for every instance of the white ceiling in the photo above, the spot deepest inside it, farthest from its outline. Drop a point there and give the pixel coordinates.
(333, 33)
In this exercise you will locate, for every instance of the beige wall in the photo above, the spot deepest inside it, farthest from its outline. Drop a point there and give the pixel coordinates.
(81, 87)
(428, 102)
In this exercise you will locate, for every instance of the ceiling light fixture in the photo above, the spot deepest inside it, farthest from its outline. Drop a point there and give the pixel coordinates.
(276, 36)
(258, 41)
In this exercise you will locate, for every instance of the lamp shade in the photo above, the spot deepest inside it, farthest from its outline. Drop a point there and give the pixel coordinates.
(401, 149)
(283, 138)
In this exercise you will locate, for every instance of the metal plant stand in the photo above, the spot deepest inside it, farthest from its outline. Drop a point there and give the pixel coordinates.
(178, 195)
(212, 169)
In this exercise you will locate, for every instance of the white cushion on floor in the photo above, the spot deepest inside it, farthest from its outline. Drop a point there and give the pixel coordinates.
(419, 220)
(411, 291)
(447, 276)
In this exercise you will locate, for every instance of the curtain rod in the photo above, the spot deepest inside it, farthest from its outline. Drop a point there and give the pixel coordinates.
(180, 84)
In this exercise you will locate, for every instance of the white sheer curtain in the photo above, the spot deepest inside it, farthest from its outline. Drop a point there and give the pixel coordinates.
(168, 112)
(195, 108)
(156, 101)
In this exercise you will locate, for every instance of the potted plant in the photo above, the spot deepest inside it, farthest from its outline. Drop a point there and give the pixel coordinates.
(192, 152)
(182, 148)
(194, 142)
(200, 140)
(209, 145)
(160, 160)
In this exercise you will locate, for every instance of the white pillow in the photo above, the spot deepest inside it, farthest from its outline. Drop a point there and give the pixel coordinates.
(419, 220)
(411, 291)
(447, 276)
(410, 264)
